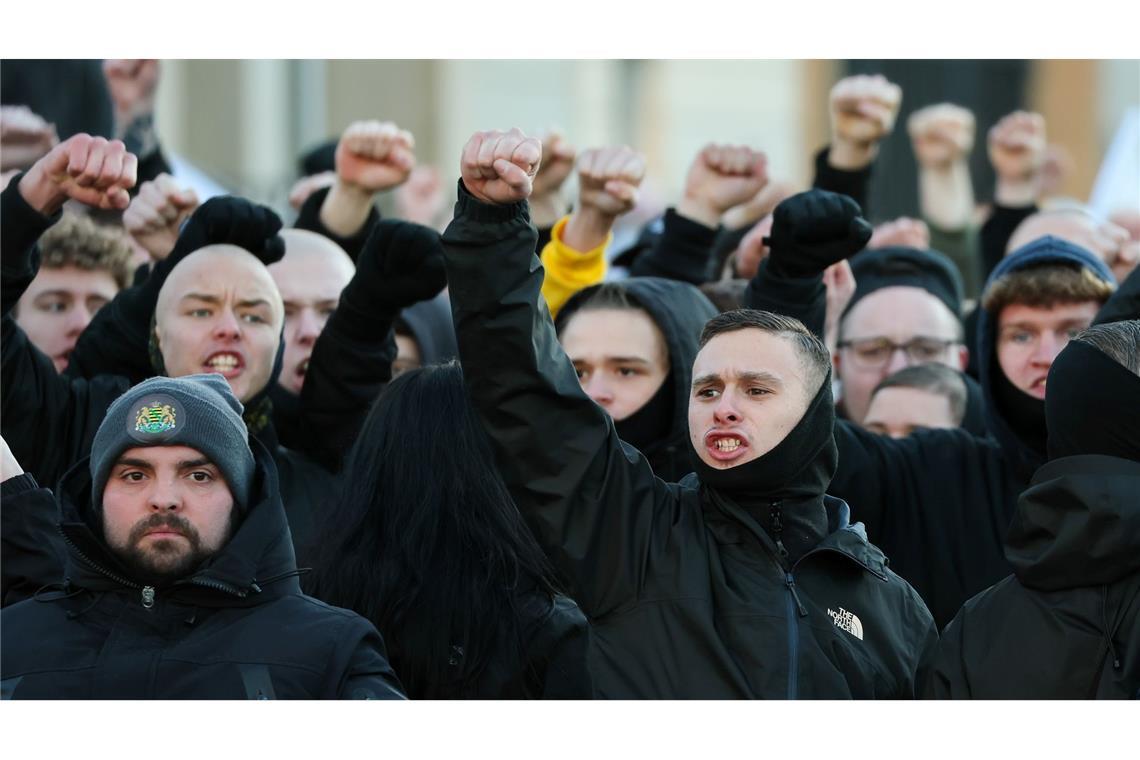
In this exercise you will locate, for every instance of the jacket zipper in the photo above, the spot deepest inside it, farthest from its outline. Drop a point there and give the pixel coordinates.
(796, 609)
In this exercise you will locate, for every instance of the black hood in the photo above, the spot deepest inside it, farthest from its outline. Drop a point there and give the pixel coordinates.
(680, 311)
(1078, 524)
(257, 563)
(430, 325)
(1093, 405)
(1015, 419)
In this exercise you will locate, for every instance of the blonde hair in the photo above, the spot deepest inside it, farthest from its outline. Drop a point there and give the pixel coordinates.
(76, 240)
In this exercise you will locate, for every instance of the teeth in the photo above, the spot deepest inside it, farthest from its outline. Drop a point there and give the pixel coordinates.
(224, 361)
(728, 444)
(305, 366)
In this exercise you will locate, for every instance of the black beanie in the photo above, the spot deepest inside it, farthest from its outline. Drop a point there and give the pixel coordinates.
(896, 266)
(198, 411)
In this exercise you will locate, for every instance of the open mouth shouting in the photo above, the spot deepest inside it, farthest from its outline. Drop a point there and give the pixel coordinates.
(726, 446)
(1037, 388)
(302, 368)
(229, 364)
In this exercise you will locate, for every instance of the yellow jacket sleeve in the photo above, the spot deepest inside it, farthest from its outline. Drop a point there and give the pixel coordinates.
(569, 270)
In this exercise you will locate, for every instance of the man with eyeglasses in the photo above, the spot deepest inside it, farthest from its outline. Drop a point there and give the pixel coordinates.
(905, 312)
(939, 502)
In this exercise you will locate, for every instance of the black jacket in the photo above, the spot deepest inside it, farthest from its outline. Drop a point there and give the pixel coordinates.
(680, 311)
(50, 420)
(237, 627)
(939, 501)
(685, 600)
(1066, 624)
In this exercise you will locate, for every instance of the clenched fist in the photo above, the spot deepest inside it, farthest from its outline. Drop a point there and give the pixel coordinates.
(500, 167)
(608, 179)
(813, 230)
(941, 135)
(904, 231)
(91, 170)
(1017, 146)
(132, 84)
(556, 165)
(863, 112)
(373, 156)
(157, 212)
(720, 177)
(25, 137)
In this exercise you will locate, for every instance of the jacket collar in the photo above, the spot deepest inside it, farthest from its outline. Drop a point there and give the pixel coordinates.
(258, 558)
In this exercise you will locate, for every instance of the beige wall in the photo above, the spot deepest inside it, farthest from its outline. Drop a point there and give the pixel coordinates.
(245, 122)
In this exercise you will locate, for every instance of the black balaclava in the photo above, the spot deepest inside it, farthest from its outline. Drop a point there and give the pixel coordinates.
(652, 421)
(783, 489)
(1092, 405)
(1024, 414)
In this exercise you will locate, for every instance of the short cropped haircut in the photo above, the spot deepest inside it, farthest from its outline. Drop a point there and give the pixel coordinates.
(812, 353)
(1044, 286)
(1119, 341)
(77, 241)
(932, 378)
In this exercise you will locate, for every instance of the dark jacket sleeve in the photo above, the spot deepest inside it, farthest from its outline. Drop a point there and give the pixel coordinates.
(594, 505)
(997, 231)
(117, 339)
(853, 184)
(682, 252)
(47, 419)
(309, 218)
(558, 653)
(350, 365)
(20, 228)
(33, 551)
(360, 665)
(804, 298)
(1125, 302)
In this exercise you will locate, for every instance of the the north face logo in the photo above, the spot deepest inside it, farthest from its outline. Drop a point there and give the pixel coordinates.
(848, 621)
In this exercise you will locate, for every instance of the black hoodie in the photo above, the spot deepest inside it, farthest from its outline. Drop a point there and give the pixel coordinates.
(680, 312)
(939, 502)
(1066, 624)
(689, 597)
(237, 627)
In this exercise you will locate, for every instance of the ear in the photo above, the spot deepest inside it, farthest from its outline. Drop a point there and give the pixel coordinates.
(836, 364)
(963, 358)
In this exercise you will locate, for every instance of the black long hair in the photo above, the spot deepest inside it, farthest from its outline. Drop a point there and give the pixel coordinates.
(426, 541)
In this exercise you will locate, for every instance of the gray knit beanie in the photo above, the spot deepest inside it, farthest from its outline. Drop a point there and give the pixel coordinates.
(198, 411)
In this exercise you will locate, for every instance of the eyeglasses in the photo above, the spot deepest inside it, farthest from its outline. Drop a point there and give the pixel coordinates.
(875, 353)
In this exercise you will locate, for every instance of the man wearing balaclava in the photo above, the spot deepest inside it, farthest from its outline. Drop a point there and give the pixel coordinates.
(744, 579)
(939, 502)
(1066, 623)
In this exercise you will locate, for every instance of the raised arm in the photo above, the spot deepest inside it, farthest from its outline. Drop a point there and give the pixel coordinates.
(400, 265)
(1016, 146)
(863, 112)
(574, 258)
(133, 86)
(592, 503)
(371, 157)
(720, 178)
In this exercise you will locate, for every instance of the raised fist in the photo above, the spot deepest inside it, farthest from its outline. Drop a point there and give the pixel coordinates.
(556, 165)
(813, 230)
(91, 170)
(1017, 146)
(421, 198)
(132, 83)
(236, 221)
(24, 136)
(608, 179)
(720, 177)
(904, 231)
(864, 108)
(752, 249)
(401, 264)
(306, 186)
(941, 134)
(373, 156)
(500, 167)
(156, 213)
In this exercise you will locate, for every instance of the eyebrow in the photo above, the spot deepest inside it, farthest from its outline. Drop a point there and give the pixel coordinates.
(761, 377)
(216, 300)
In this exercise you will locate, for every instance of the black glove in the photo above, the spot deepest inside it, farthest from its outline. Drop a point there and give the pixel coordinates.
(401, 264)
(813, 230)
(235, 221)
